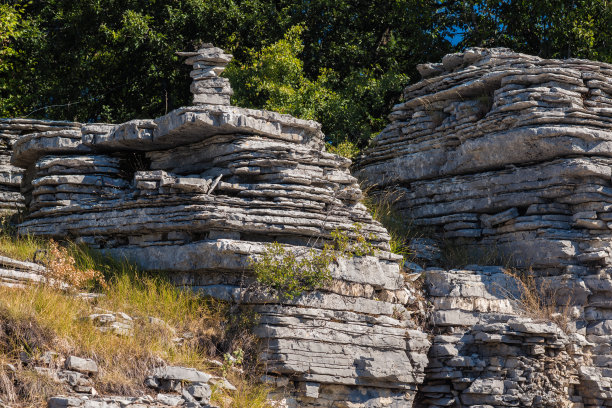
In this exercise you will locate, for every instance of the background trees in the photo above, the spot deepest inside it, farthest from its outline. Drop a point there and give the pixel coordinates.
(341, 62)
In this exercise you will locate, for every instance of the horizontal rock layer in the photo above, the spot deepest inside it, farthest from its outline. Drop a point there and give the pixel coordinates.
(506, 151)
(12, 130)
(507, 157)
(200, 192)
(493, 349)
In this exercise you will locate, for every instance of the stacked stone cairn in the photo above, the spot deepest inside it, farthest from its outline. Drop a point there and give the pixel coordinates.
(10, 176)
(208, 87)
(509, 156)
(203, 190)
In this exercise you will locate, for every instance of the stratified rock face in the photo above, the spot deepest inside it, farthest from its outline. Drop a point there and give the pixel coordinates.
(506, 150)
(204, 188)
(10, 176)
(510, 155)
(487, 353)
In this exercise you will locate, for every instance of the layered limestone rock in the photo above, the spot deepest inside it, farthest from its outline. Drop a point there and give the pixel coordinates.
(507, 156)
(488, 351)
(10, 176)
(507, 151)
(15, 273)
(200, 192)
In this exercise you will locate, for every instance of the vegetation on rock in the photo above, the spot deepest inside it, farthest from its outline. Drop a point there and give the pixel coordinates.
(292, 271)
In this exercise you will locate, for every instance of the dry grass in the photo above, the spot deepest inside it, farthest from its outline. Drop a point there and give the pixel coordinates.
(43, 318)
(401, 229)
(539, 300)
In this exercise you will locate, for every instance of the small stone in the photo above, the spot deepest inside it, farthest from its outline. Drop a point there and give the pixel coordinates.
(200, 391)
(151, 382)
(63, 402)
(170, 400)
(222, 383)
(180, 374)
(310, 389)
(82, 365)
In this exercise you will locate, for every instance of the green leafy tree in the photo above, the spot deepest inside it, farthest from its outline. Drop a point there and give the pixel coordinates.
(548, 28)
(13, 27)
(275, 79)
(113, 60)
(342, 62)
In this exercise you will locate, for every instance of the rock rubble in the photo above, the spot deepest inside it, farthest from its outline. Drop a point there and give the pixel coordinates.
(179, 386)
(487, 351)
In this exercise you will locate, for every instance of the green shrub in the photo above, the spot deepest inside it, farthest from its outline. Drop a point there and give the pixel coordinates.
(289, 273)
(345, 148)
(292, 272)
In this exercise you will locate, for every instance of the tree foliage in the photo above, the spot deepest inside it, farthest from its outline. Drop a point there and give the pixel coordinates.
(548, 28)
(341, 62)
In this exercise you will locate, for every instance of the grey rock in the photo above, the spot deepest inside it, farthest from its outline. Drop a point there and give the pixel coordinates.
(169, 400)
(82, 365)
(201, 391)
(62, 402)
(200, 192)
(180, 374)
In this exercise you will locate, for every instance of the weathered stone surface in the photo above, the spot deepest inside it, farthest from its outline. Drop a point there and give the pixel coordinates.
(498, 357)
(502, 152)
(208, 88)
(505, 150)
(14, 273)
(199, 192)
(12, 130)
(180, 374)
(82, 365)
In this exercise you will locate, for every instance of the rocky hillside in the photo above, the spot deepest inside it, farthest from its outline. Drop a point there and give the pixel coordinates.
(130, 340)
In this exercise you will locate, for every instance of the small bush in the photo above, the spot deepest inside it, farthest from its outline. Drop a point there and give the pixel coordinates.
(61, 267)
(345, 148)
(293, 272)
(355, 245)
(290, 273)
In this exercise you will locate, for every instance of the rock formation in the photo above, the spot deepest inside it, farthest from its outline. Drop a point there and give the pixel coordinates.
(10, 176)
(486, 352)
(508, 155)
(207, 86)
(506, 150)
(202, 190)
(496, 152)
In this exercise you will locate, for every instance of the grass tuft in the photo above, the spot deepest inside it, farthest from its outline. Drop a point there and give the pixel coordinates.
(539, 300)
